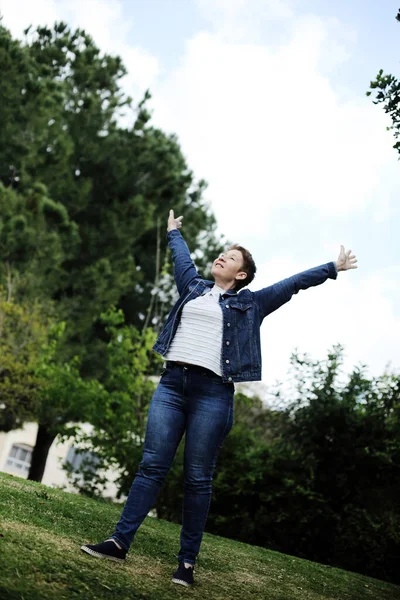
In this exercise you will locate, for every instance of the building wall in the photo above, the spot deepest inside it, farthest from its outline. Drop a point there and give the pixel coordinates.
(54, 475)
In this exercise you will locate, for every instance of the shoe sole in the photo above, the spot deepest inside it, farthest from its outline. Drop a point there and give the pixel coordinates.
(181, 582)
(98, 555)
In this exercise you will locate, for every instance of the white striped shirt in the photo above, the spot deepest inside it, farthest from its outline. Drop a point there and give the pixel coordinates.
(198, 338)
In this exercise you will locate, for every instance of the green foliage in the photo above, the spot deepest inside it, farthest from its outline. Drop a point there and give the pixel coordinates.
(80, 203)
(326, 487)
(119, 422)
(387, 92)
(36, 238)
(64, 398)
(90, 191)
(22, 332)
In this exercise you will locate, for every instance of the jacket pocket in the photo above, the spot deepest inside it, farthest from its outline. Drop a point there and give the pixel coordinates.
(242, 315)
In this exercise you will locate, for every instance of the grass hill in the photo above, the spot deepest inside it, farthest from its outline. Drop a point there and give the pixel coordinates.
(41, 530)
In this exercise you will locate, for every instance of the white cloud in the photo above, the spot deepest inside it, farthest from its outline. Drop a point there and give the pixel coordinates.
(104, 20)
(19, 15)
(113, 33)
(221, 11)
(234, 20)
(267, 130)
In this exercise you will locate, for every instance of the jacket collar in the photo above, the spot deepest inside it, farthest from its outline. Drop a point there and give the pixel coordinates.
(210, 284)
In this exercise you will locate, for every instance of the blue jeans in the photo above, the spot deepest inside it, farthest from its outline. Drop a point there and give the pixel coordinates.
(193, 400)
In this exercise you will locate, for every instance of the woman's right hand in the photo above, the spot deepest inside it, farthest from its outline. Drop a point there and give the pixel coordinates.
(174, 223)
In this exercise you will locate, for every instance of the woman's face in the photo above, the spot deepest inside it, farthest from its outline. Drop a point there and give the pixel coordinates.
(228, 265)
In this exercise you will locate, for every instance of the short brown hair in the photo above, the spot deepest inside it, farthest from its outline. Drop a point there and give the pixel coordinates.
(249, 266)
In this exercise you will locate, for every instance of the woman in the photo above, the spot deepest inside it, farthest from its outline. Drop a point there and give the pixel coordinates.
(211, 339)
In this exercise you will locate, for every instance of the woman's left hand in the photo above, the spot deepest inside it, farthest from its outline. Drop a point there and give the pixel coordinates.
(346, 260)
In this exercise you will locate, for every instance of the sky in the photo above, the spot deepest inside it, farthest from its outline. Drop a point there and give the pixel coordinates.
(268, 100)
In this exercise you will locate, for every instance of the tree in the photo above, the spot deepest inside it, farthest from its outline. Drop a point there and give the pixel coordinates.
(344, 438)
(22, 332)
(80, 199)
(330, 484)
(112, 182)
(36, 238)
(119, 422)
(319, 478)
(63, 400)
(387, 89)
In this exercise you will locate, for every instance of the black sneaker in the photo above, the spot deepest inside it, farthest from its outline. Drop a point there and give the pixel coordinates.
(183, 575)
(105, 550)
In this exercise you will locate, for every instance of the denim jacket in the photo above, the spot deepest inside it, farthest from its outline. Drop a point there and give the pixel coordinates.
(243, 311)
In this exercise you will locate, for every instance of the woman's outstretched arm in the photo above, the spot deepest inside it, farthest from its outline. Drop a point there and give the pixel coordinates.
(184, 270)
(274, 296)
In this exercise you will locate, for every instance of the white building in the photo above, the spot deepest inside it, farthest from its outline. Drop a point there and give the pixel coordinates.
(16, 452)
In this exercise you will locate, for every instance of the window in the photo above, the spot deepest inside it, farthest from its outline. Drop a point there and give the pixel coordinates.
(76, 457)
(20, 458)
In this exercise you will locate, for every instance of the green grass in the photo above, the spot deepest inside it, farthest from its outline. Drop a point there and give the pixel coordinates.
(42, 529)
